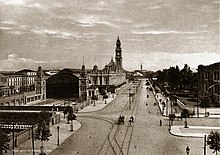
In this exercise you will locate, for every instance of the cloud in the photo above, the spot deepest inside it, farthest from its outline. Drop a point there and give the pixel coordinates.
(142, 25)
(14, 58)
(88, 19)
(166, 32)
(155, 7)
(14, 62)
(36, 5)
(13, 2)
(92, 20)
(16, 32)
(56, 33)
(8, 22)
(137, 40)
(101, 6)
(122, 20)
(5, 28)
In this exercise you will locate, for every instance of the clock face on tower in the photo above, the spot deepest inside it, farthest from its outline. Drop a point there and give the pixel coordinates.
(118, 53)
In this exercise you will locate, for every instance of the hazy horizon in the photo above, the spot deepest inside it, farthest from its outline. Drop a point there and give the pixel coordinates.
(60, 33)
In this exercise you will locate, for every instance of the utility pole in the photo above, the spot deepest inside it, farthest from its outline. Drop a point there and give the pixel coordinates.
(58, 136)
(32, 130)
(13, 139)
(171, 110)
(205, 145)
(129, 99)
(198, 107)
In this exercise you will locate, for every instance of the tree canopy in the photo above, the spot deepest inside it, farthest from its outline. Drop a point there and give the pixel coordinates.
(214, 141)
(43, 130)
(183, 79)
(4, 141)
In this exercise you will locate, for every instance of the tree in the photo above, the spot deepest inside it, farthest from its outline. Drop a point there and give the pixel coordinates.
(205, 102)
(185, 114)
(67, 109)
(186, 76)
(4, 141)
(214, 141)
(71, 117)
(43, 130)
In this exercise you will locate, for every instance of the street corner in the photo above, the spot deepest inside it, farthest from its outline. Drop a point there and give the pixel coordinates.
(192, 131)
(77, 125)
(188, 131)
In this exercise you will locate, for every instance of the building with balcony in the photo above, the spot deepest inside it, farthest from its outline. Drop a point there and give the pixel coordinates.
(209, 82)
(22, 87)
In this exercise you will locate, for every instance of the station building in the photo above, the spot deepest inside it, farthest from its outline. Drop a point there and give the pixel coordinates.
(25, 86)
(82, 84)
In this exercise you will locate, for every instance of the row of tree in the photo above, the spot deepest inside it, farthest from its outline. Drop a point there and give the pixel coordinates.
(177, 79)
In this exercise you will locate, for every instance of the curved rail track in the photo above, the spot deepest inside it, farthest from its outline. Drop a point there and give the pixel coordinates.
(116, 143)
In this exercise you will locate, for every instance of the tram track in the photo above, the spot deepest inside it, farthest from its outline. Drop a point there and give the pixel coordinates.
(115, 142)
(129, 128)
(110, 140)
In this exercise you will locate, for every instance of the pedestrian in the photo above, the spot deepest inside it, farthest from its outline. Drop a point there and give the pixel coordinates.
(130, 122)
(132, 119)
(160, 122)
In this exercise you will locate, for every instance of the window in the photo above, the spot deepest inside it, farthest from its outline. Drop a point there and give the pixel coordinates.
(216, 75)
(206, 75)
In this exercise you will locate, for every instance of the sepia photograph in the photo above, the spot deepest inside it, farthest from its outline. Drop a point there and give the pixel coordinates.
(101, 77)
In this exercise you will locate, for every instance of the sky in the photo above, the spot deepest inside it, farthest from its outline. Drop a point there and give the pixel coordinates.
(57, 34)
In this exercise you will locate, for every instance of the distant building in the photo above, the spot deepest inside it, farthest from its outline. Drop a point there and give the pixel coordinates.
(112, 76)
(21, 87)
(209, 82)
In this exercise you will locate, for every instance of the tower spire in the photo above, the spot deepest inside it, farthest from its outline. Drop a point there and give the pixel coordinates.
(118, 54)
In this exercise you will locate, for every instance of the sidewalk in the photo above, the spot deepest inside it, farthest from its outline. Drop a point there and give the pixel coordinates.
(98, 104)
(192, 131)
(64, 131)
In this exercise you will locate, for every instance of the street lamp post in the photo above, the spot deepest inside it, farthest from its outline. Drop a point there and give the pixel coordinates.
(167, 107)
(197, 105)
(58, 136)
(205, 145)
(187, 150)
(32, 136)
(129, 101)
(13, 139)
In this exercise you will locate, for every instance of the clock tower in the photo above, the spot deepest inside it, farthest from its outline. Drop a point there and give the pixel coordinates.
(118, 54)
